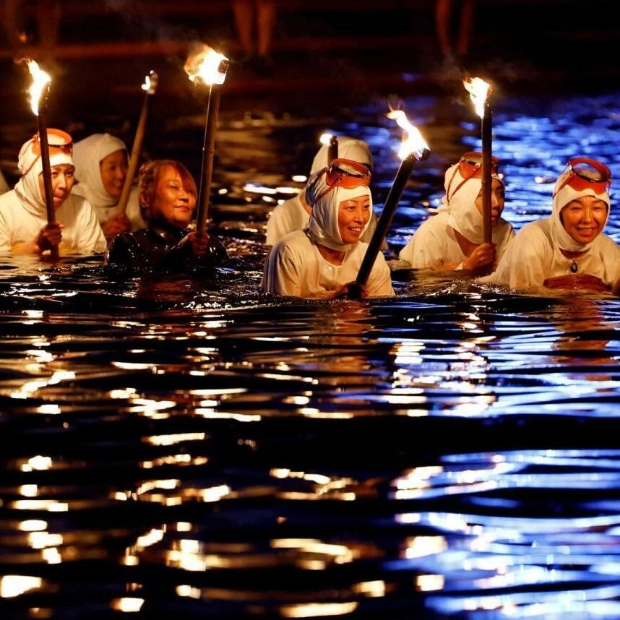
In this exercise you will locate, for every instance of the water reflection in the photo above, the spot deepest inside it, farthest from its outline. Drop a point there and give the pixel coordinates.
(197, 448)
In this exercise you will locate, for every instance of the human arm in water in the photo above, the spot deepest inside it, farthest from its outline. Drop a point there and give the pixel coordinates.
(197, 249)
(481, 259)
(115, 225)
(47, 238)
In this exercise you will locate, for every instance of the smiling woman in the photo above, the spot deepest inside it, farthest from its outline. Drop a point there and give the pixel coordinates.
(101, 165)
(24, 225)
(324, 259)
(567, 250)
(168, 195)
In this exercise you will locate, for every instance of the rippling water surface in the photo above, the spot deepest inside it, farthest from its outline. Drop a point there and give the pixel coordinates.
(195, 449)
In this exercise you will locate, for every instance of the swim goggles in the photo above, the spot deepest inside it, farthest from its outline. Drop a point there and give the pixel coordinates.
(586, 173)
(470, 167)
(58, 141)
(345, 173)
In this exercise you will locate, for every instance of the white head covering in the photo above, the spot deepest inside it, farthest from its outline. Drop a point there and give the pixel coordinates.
(561, 197)
(323, 225)
(348, 148)
(460, 201)
(88, 154)
(30, 165)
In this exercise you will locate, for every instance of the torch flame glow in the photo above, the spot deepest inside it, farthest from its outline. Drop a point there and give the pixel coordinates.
(150, 83)
(40, 80)
(207, 65)
(479, 90)
(325, 138)
(413, 142)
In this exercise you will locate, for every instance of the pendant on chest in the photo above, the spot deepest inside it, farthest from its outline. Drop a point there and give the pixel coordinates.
(573, 267)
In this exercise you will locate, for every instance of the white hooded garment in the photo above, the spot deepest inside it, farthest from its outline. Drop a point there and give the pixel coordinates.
(23, 211)
(434, 245)
(535, 253)
(292, 215)
(87, 156)
(295, 267)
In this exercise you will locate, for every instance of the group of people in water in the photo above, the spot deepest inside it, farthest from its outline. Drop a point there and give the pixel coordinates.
(317, 240)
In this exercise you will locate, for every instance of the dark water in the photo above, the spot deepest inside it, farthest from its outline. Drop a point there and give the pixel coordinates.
(198, 450)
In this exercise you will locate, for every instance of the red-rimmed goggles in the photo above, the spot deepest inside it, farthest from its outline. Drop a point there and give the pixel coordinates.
(345, 173)
(586, 173)
(470, 167)
(58, 141)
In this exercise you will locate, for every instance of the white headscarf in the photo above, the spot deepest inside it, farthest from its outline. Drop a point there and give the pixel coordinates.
(88, 154)
(323, 225)
(460, 201)
(30, 165)
(561, 198)
(348, 148)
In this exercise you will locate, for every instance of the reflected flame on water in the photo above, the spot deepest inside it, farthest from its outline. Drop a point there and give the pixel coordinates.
(16, 585)
(313, 610)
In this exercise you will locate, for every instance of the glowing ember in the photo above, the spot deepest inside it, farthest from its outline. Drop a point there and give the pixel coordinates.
(40, 80)
(413, 142)
(207, 65)
(479, 90)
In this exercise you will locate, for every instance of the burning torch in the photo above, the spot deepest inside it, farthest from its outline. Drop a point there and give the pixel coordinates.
(412, 150)
(331, 141)
(210, 67)
(149, 86)
(479, 91)
(39, 92)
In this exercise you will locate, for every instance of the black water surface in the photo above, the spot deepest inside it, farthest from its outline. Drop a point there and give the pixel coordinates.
(197, 449)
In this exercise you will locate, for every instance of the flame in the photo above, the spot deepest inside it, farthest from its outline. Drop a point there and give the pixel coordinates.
(413, 142)
(326, 138)
(479, 90)
(40, 80)
(207, 65)
(150, 83)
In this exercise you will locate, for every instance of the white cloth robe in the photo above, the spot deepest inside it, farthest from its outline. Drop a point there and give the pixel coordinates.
(105, 212)
(21, 223)
(532, 258)
(434, 244)
(294, 267)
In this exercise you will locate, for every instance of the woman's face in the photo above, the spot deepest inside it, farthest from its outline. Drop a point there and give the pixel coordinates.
(173, 202)
(62, 181)
(498, 196)
(584, 218)
(113, 168)
(353, 215)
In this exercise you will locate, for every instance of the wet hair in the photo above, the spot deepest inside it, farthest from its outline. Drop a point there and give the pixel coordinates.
(149, 175)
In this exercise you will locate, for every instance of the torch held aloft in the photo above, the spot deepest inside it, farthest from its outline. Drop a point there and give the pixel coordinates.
(487, 181)
(137, 145)
(387, 214)
(47, 169)
(208, 153)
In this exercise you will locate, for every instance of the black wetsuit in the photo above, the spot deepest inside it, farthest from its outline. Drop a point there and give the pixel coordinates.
(156, 250)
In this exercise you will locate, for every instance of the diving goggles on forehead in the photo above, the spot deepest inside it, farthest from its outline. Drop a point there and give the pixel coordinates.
(346, 173)
(586, 173)
(58, 141)
(470, 167)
